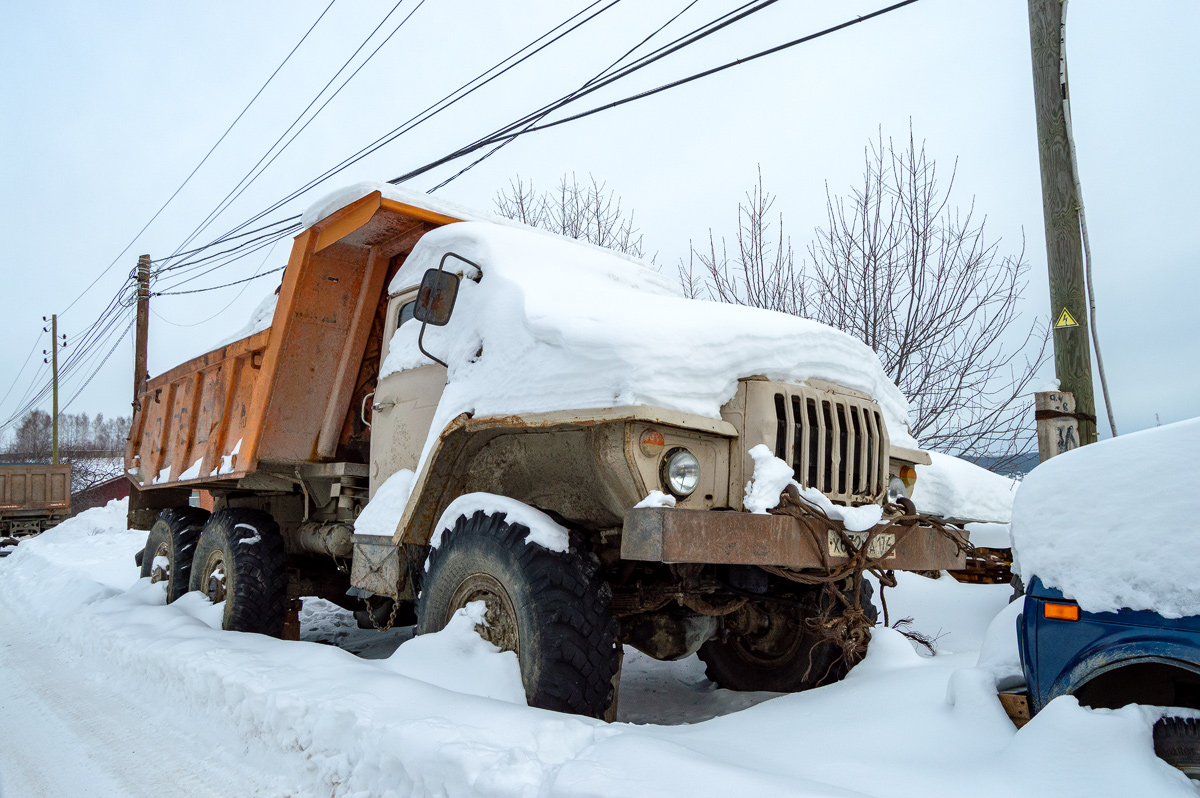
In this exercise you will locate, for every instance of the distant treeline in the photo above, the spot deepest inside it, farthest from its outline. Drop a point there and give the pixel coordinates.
(79, 436)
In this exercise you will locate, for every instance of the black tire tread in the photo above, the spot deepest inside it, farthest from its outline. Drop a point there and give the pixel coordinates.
(726, 669)
(258, 600)
(180, 527)
(1177, 742)
(571, 603)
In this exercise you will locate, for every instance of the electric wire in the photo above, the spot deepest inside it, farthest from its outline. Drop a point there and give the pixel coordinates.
(435, 108)
(157, 213)
(252, 175)
(21, 371)
(702, 32)
(508, 133)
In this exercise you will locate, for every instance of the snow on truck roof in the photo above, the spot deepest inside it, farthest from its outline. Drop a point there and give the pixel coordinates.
(1113, 525)
(552, 324)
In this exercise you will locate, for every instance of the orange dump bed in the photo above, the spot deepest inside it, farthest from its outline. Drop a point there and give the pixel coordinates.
(291, 393)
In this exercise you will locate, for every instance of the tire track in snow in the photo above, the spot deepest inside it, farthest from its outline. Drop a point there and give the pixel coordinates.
(69, 733)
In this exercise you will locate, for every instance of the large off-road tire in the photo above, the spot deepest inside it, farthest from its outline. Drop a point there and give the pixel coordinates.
(1177, 742)
(170, 547)
(240, 560)
(549, 607)
(783, 655)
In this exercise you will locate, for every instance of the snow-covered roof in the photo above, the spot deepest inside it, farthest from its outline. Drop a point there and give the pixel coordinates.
(1114, 525)
(553, 324)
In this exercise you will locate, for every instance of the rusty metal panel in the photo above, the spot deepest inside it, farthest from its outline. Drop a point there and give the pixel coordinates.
(188, 414)
(34, 489)
(317, 326)
(661, 534)
(271, 395)
(376, 565)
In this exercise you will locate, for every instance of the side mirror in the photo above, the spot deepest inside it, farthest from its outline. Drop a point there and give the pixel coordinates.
(435, 301)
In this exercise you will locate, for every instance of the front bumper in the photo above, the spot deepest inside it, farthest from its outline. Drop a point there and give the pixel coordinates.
(665, 534)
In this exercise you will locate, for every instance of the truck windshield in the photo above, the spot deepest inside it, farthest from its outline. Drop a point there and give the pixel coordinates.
(406, 312)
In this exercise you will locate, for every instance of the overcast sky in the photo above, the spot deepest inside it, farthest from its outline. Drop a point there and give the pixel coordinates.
(109, 106)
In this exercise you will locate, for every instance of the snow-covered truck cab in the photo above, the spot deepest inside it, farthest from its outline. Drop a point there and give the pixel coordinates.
(545, 427)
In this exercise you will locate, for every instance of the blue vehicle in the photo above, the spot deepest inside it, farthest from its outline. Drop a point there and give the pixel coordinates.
(1110, 659)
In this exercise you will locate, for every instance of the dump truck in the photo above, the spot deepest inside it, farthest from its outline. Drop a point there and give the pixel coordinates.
(33, 498)
(448, 409)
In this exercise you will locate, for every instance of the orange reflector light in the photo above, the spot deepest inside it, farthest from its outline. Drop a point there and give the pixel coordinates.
(1061, 612)
(652, 443)
(908, 475)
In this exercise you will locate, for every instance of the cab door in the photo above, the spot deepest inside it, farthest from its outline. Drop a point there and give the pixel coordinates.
(404, 403)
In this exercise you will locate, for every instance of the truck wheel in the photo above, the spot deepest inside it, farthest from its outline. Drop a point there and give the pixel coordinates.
(240, 560)
(170, 546)
(1177, 742)
(549, 607)
(781, 655)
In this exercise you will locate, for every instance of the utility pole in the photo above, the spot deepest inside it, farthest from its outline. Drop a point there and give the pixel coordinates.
(54, 369)
(1060, 208)
(143, 328)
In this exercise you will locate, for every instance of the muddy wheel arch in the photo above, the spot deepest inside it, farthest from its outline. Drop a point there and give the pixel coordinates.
(578, 464)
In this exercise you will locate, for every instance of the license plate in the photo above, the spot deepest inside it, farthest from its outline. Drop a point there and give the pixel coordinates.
(880, 544)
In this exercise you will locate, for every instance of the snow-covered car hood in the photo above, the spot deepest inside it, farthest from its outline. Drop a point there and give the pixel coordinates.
(552, 324)
(1113, 525)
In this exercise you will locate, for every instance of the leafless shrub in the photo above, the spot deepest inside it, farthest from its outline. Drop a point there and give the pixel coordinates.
(917, 279)
(590, 212)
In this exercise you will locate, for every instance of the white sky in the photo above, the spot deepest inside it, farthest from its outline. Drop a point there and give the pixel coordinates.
(107, 107)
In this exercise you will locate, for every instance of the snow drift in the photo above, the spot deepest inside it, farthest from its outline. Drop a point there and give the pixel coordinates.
(1114, 525)
(302, 718)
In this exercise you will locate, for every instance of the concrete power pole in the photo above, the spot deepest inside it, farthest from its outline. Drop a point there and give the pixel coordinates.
(1060, 208)
(140, 373)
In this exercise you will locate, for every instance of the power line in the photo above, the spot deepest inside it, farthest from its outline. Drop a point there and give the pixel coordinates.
(17, 378)
(223, 285)
(121, 254)
(603, 72)
(251, 175)
(702, 32)
(96, 371)
(435, 108)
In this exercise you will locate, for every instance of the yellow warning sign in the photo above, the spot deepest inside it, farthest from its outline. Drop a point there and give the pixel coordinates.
(1065, 319)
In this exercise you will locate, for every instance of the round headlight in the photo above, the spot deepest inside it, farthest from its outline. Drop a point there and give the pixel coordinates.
(896, 489)
(681, 472)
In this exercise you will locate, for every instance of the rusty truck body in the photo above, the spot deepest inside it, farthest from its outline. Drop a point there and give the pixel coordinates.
(292, 430)
(33, 497)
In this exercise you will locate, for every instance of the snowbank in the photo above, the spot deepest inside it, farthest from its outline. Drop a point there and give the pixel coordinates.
(1114, 524)
(458, 659)
(554, 324)
(313, 719)
(954, 488)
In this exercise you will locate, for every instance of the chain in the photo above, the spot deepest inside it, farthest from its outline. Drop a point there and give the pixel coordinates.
(391, 618)
(844, 623)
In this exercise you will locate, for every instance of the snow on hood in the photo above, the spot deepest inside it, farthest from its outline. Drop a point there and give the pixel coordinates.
(1113, 524)
(553, 324)
(954, 488)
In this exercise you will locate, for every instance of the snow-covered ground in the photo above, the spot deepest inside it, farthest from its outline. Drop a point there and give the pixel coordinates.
(107, 691)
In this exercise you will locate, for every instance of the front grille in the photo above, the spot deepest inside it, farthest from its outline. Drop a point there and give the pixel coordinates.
(834, 443)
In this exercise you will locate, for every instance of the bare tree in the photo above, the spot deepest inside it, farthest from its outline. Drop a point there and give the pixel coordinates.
(916, 278)
(590, 212)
